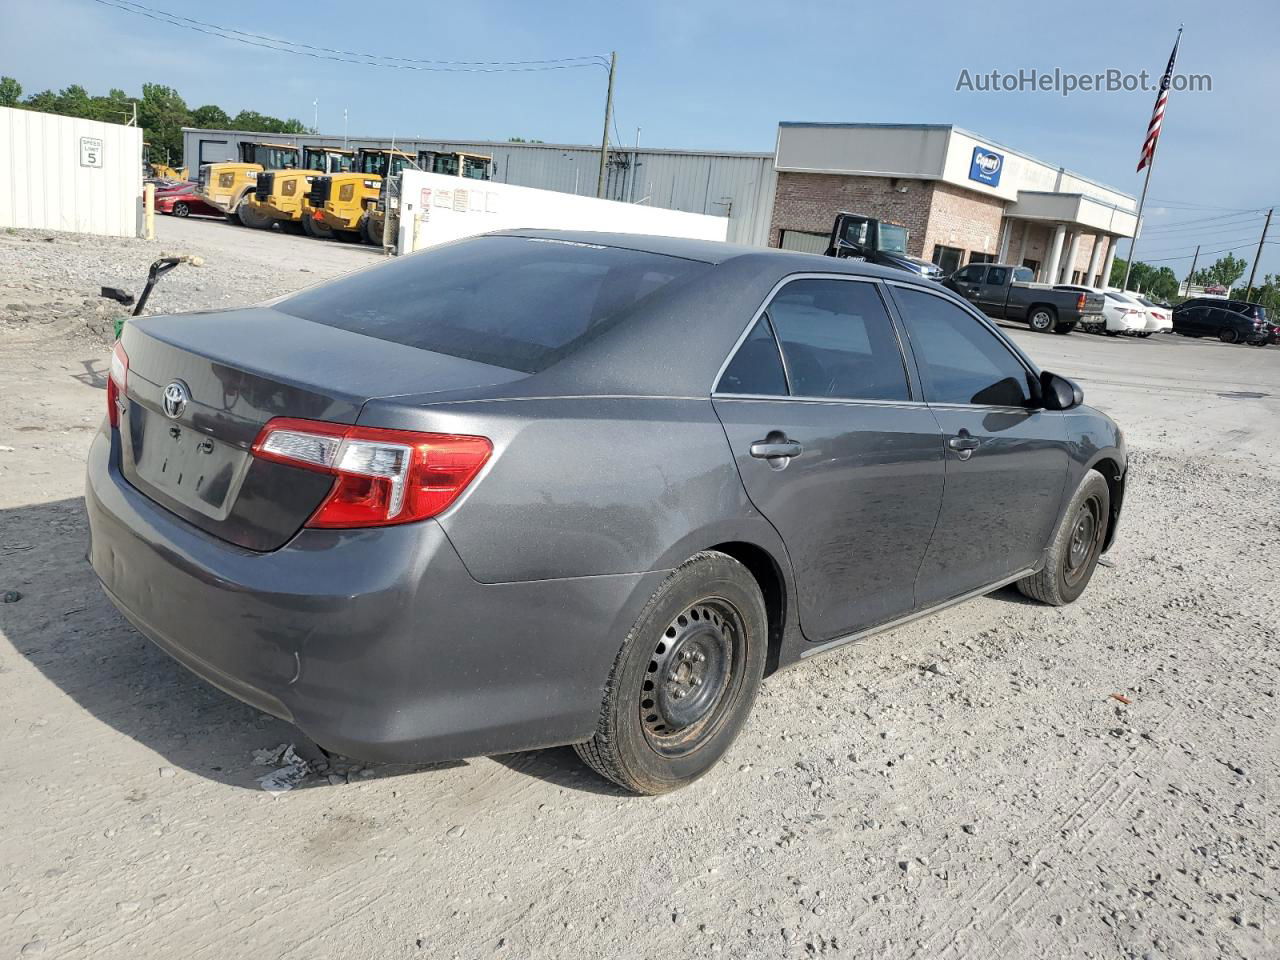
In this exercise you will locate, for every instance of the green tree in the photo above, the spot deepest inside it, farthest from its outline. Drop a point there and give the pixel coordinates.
(115, 107)
(211, 117)
(46, 101)
(1225, 270)
(74, 101)
(162, 114)
(1267, 294)
(10, 92)
(1159, 283)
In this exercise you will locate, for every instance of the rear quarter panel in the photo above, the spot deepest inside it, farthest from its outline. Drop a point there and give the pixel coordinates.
(586, 486)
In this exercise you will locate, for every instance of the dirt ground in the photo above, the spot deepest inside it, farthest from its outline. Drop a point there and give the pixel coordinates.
(1002, 780)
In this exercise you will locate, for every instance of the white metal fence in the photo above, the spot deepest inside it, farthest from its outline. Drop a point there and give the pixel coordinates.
(63, 173)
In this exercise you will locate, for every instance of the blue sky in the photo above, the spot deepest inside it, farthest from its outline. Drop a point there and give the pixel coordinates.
(720, 75)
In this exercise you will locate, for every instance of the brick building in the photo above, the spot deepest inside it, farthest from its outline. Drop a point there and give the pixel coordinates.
(963, 198)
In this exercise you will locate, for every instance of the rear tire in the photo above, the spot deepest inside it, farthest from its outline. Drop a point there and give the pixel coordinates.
(1227, 335)
(180, 209)
(1042, 319)
(1077, 543)
(684, 682)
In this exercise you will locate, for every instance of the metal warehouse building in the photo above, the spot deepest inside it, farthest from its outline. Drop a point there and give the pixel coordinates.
(739, 186)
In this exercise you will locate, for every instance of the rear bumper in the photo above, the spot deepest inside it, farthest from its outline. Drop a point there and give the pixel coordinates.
(377, 644)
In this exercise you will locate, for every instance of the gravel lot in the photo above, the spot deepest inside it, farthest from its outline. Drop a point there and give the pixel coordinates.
(1000, 780)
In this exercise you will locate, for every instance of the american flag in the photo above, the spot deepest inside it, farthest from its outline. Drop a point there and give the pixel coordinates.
(1157, 115)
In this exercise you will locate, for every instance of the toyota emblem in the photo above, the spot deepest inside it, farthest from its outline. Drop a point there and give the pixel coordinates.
(175, 399)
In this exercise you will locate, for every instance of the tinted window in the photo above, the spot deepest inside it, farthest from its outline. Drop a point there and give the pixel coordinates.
(1023, 275)
(508, 301)
(970, 274)
(838, 341)
(960, 360)
(998, 276)
(757, 366)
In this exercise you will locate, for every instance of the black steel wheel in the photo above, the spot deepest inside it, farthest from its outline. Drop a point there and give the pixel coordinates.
(685, 679)
(694, 667)
(1076, 546)
(180, 209)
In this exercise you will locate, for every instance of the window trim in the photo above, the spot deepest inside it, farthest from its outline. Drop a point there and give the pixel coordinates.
(914, 387)
(988, 325)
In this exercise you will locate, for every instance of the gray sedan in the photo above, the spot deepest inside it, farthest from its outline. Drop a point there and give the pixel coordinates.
(541, 488)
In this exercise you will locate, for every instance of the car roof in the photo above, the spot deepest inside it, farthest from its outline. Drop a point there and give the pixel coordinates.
(720, 252)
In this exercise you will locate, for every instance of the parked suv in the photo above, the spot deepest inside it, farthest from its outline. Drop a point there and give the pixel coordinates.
(1231, 321)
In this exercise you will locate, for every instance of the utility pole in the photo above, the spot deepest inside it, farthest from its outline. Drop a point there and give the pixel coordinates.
(1194, 261)
(608, 118)
(344, 128)
(1261, 240)
(315, 125)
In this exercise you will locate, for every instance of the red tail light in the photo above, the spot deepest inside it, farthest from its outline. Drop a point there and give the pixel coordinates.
(1080, 301)
(117, 380)
(383, 477)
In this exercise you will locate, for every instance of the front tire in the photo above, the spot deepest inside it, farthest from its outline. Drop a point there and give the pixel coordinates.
(1042, 319)
(1077, 543)
(250, 217)
(684, 682)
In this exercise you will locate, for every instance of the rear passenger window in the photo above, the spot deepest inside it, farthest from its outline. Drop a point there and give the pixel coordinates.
(838, 341)
(960, 360)
(757, 366)
(998, 276)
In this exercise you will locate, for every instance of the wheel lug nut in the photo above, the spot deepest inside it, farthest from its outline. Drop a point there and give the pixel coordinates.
(700, 657)
(673, 676)
(696, 681)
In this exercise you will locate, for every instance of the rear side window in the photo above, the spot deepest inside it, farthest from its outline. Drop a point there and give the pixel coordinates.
(757, 366)
(838, 341)
(998, 276)
(960, 360)
(512, 302)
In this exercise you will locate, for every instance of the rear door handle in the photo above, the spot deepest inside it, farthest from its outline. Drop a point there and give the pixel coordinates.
(964, 444)
(772, 449)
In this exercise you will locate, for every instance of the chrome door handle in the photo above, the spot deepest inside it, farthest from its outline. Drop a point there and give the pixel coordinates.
(964, 444)
(771, 449)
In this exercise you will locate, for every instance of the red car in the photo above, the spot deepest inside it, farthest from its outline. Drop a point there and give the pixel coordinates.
(183, 201)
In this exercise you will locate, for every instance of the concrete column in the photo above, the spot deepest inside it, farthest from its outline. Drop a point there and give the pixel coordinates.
(1003, 255)
(1073, 251)
(1049, 269)
(1095, 260)
(1104, 278)
(1022, 250)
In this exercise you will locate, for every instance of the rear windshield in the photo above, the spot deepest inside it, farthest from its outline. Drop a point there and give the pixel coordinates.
(512, 302)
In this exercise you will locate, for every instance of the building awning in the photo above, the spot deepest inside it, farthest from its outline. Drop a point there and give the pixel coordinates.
(1076, 210)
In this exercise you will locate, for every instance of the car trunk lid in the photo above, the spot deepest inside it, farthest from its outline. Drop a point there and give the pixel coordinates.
(201, 387)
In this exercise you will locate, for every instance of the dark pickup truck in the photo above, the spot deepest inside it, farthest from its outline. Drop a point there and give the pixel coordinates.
(1006, 292)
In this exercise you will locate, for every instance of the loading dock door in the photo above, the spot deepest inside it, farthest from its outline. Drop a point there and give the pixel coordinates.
(804, 242)
(214, 151)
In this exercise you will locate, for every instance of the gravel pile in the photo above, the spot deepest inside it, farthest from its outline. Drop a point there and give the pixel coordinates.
(50, 282)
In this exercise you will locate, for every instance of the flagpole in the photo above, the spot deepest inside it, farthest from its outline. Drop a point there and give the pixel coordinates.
(1142, 200)
(1133, 241)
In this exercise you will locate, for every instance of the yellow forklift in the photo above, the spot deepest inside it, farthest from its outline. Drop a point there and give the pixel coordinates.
(225, 185)
(280, 196)
(340, 201)
(473, 166)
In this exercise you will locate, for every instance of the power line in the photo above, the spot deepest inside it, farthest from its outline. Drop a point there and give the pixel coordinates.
(1182, 204)
(1203, 254)
(345, 56)
(1190, 246)
(1179, 225)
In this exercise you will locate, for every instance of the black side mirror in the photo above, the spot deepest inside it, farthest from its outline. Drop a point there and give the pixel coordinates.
(1059, 393)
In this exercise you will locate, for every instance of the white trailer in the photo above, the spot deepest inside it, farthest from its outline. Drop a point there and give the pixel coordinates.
(435, 209)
